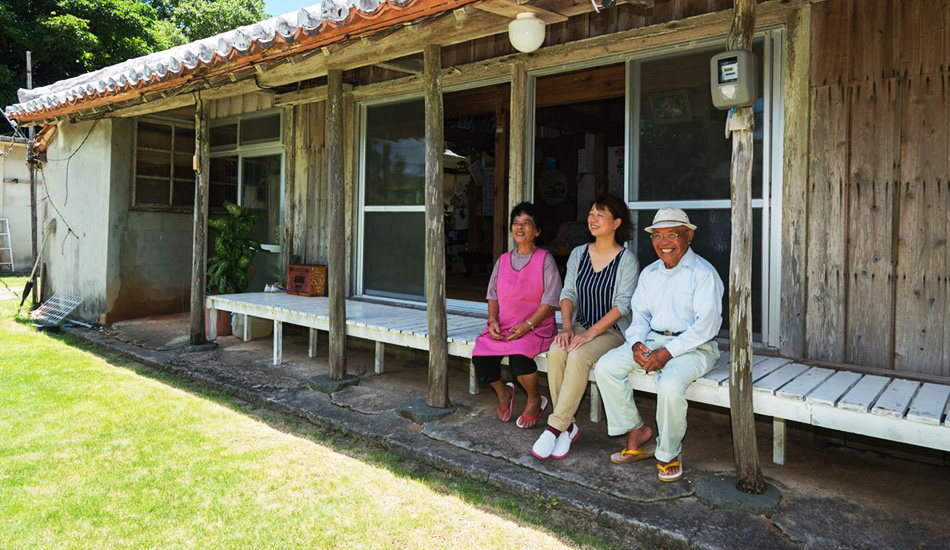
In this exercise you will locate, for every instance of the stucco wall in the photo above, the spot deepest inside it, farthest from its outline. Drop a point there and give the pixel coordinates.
(15, 203)
(77, 261)
(151, 271)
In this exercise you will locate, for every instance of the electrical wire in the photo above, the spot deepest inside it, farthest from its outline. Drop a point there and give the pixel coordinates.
(69, 229)
(73, 154)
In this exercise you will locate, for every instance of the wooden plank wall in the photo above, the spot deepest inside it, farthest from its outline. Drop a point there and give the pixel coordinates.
(308, 184)
(878, 291)
(241, 104)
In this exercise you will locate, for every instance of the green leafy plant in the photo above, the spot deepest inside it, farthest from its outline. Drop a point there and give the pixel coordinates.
(234, 250)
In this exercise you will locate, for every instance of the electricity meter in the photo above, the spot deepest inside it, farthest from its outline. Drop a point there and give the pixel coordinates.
(732, 79)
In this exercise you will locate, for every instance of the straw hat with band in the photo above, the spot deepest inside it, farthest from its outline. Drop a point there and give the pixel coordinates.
(670, 217)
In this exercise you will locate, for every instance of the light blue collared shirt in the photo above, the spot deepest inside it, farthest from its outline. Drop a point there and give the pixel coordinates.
(687, 299)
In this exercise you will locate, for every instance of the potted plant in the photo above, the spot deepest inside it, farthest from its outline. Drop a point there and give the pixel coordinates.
(234, 250)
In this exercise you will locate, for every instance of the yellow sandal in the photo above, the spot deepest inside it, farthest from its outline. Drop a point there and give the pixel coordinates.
(633, 455)
(666, 477)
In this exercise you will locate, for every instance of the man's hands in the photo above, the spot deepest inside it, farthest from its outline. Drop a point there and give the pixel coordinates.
(650, 360)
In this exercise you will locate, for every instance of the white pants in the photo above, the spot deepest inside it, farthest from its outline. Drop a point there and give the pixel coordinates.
(613, 370)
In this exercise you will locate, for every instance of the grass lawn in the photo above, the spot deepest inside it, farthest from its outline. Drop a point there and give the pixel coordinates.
(97, 454)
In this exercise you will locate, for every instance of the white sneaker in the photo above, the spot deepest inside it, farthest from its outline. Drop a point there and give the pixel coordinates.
(562, 446)
(544, 445)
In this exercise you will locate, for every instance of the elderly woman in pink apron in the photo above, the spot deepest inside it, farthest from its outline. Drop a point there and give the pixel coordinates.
(522, 294)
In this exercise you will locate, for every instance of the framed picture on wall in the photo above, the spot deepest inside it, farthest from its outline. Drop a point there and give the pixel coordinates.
(670, 107)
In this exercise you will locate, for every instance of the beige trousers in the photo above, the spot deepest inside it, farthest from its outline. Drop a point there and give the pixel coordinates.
(568, 374)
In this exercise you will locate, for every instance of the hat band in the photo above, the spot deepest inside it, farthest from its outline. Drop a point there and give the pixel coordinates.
(681, 222)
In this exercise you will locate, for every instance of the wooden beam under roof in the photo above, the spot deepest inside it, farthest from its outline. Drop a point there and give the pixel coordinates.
(409, 65)
(511, 9)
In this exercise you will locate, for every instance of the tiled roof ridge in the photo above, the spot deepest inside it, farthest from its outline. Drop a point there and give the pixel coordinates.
(208, 52)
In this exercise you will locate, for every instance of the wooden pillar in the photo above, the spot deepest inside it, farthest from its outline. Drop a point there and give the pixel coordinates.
(517, 136)
(438, 393)
(748, 473)
(199, 254)
(500, 213)
(795, 183)
(336, 268)
(287, 244)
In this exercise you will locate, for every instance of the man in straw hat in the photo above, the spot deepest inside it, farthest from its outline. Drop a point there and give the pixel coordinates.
(677, 311)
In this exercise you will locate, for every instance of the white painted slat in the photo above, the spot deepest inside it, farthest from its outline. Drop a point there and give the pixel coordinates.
(720, 372)
(863, 395)
(764, 368)
(803, 385)
(929, 404)
(715, 376)
(831, 391)
(896, 398)
(779, 378)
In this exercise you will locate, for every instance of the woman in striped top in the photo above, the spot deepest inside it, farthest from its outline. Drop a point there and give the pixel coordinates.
(595, 311)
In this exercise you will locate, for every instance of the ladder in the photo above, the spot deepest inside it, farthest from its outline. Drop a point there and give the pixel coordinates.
(6, 245)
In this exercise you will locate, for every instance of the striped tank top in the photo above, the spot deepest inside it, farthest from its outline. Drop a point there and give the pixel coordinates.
(595, 290)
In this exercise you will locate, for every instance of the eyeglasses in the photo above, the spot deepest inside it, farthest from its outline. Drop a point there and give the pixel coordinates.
(672, 236)
(524, 224)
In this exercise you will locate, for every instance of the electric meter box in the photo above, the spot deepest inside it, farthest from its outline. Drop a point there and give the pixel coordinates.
(732, 79)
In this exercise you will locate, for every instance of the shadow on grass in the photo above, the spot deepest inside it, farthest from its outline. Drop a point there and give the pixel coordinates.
(542, 513)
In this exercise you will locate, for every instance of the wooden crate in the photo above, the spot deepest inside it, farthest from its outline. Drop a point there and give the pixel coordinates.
(307, 280)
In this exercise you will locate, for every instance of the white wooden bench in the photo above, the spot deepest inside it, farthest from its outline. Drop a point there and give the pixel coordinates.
(886, 407)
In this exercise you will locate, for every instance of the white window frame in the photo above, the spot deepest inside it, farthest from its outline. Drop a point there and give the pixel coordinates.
(362, 208)
(773, 150)
(242, 152)
(770, 203)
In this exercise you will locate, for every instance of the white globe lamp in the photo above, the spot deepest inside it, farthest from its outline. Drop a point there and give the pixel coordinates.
(526, 33)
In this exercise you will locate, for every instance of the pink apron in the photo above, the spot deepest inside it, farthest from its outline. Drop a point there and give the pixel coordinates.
(519, 295)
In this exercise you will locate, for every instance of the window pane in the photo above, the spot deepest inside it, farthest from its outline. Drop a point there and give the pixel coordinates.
(711, 241)
(153, 164)
(151, 191)
(185, 141)
(154, 136)
(394, 254)
(683, 155)
(224, 180)
(183, 167)
(183, 193)
(260, 129)
(223, 136)
(261, 194)
(395, 154)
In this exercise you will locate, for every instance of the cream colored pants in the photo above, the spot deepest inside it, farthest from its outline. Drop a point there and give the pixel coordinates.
(568, 374)
(612, 374)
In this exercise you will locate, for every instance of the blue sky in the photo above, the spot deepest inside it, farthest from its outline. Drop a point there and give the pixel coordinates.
(280, 7)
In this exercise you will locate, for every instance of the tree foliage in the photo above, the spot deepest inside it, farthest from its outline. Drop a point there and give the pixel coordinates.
(71, 37)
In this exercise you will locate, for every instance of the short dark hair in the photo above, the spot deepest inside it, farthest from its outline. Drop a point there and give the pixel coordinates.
(618, 210)
(525, 208)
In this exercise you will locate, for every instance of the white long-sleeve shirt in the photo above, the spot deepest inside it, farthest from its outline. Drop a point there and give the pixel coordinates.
(687, 299)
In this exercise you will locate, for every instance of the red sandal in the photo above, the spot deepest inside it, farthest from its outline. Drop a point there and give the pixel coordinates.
(504, 413)
(528, 422)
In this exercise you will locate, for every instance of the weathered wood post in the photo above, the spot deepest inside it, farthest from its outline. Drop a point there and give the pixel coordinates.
(748, 473)
(336, 272)
(517, 136)
(199, 254)
(438, 394)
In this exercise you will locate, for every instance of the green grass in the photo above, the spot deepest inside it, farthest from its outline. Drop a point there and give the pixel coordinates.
(95, 453)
